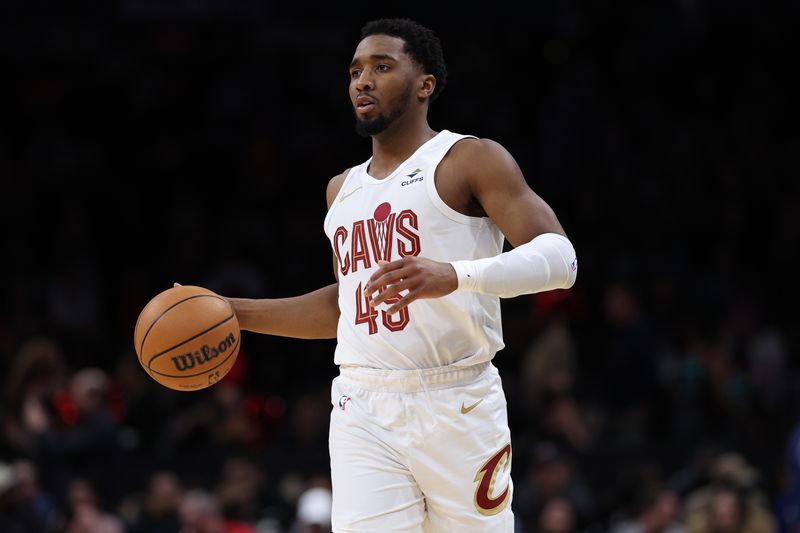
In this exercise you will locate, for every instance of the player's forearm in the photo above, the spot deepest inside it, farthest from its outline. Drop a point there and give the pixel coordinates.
(310, 316)
(547, 262)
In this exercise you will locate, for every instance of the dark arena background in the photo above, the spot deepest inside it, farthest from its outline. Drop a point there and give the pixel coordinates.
(146, 142)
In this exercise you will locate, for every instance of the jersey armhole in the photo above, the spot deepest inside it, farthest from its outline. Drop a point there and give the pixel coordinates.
(335, 201)
(440, 204)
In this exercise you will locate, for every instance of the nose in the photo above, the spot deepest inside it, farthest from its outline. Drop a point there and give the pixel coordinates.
(364, 82)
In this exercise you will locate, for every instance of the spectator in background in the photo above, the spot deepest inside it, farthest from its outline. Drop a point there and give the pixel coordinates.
(24, 508)
(37, 374)
(730, 502)
(241, 491)
(763, 354)
(549, 379)
(552, 475)
(159, 514)
(549, 365)
(87, 515)
(80, 439)
(200, 513)
(563, 420)
(557, 516)
(313, 511)
(656, 511)
(143, 396)
(728, 511)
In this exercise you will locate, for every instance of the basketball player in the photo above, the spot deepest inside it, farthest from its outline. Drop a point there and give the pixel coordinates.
(419, 439)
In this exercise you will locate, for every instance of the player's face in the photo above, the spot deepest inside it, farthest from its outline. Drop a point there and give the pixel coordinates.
(381, 81)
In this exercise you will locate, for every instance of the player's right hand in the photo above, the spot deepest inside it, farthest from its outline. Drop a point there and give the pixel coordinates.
(421, 277)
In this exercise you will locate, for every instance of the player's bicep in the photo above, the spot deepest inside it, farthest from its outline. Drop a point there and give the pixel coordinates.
(334, 185)
(521, 215)
(498, 184)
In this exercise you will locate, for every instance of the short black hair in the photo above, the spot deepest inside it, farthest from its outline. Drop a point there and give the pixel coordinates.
(421, 44)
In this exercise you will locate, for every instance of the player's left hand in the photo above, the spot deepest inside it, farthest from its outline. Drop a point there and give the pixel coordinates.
(421, 277)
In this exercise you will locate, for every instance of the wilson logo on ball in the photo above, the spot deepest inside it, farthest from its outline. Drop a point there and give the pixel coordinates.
(206, 353)
(187, 337)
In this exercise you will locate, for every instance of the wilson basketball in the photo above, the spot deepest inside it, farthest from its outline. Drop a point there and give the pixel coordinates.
(187, 338)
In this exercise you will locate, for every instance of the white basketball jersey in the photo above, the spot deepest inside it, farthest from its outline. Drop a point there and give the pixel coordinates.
(387, 219)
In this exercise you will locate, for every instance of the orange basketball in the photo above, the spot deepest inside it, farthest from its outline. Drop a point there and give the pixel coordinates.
(187, 338)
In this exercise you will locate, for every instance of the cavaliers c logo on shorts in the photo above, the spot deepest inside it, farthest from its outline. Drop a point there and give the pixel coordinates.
(485, 503)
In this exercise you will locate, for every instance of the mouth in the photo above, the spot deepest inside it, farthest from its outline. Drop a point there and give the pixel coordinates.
(364, 104)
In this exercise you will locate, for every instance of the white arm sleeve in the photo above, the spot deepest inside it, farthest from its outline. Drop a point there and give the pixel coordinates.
(545, 263)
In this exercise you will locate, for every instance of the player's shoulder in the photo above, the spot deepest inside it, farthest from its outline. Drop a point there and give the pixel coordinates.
(478, 153)
(334, 185)
(337, 181)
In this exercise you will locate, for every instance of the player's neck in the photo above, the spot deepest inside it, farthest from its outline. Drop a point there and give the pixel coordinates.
(396, 144)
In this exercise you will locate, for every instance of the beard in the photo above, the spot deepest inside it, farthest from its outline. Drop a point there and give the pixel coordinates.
(374, 126)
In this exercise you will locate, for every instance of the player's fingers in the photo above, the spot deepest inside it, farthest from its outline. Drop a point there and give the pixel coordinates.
(396, 289)
(403, 302)
(383, 294)
(384, 280)
(385, 267)
(390, 291)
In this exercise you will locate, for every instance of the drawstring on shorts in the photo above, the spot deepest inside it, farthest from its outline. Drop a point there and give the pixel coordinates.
(428, 398)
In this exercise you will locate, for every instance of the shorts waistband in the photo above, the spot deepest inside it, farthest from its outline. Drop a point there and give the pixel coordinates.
(384, 380)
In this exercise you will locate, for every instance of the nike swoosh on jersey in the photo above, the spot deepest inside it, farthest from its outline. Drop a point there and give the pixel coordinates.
(344, 197)
(465, 410)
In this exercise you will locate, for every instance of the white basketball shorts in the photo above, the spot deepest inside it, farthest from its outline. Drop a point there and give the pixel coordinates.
(420, 451)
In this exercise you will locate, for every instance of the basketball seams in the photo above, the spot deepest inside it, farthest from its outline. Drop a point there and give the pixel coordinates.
(234, 351)
(210, 328)
(165, 311)
(193, 336)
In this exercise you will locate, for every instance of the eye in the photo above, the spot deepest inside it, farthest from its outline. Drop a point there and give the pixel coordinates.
(382, 68)
(355, 73)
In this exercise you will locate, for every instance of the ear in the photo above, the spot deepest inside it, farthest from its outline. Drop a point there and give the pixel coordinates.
(427, 83)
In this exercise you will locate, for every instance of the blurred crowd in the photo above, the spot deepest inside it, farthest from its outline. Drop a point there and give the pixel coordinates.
(145, 143)
(91, 450)
(697, 448)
